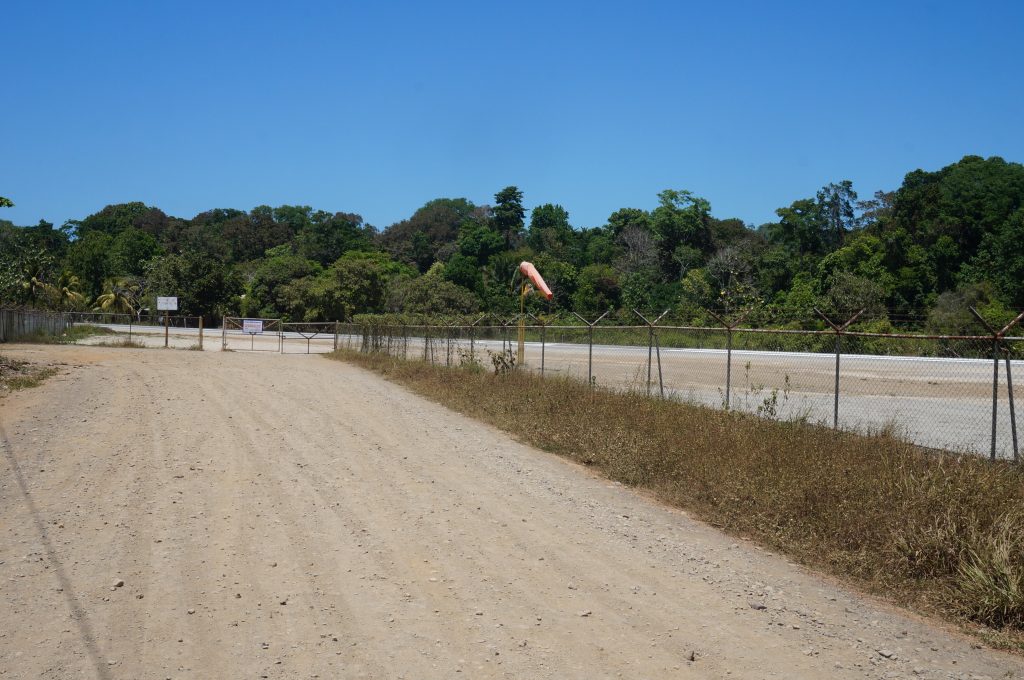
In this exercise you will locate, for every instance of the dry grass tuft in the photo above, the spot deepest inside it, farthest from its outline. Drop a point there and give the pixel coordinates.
(941, 533)
(18, 375)
(121, 342)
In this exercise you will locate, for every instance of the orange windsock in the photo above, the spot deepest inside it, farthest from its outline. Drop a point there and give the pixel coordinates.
(529, 271)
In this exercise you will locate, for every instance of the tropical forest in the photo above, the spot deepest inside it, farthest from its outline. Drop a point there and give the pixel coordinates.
(919, 255)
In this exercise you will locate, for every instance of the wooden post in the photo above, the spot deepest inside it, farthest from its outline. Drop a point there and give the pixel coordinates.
(200, 333)
(167, 326)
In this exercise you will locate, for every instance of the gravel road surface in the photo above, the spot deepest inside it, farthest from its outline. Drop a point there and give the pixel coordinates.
(942, 403)
(173, 514)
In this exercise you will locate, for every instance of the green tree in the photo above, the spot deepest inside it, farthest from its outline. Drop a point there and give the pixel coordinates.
(66, 292)
(203, 285)
(464, 271)
(281, 267)
(508, 214)
(681, 218)
(430, 234)
(626, 218)
(478, 241)
(550, 230)
(130, 251)
(430, 295)
(88, 258)
(1000, 259)
(800, 228)
(836, 203)
(597, 290)
(120, 296)
(113, 219)
(326, 236)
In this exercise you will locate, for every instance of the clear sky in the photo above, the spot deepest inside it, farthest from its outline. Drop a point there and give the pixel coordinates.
(378, 107)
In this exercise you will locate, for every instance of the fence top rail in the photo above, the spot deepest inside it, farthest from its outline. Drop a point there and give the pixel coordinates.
(311, 324)
(705, 329)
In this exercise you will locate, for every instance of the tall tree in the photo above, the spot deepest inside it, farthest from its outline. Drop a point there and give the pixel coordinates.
(681, 220)
(836, 204)
(550, 231)
(508, 215)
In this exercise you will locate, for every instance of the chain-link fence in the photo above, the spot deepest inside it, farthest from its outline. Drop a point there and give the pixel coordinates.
(147, 330)
(951, 393)
(946, 392)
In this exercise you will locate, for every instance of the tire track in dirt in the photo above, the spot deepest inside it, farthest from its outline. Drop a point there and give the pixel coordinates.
(335, 622)
(511, 578)
(392, 522)
(379, 555)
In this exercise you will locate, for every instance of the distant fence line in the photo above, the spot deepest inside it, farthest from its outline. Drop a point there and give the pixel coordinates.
(949, 392)
(932, 386)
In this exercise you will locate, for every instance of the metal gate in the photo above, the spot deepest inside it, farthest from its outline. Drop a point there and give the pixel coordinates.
(306, 337)
(251, 335)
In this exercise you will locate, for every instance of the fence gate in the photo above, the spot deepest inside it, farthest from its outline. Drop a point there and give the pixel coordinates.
(251, 335)
(308, 337)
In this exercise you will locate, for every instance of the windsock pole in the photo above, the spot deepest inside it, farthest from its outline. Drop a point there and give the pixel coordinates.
(522, 324)
(532, 279)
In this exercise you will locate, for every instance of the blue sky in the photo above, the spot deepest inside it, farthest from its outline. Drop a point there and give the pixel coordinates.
(376, 108)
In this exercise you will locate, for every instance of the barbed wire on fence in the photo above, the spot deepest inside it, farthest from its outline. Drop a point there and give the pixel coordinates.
(952, 392)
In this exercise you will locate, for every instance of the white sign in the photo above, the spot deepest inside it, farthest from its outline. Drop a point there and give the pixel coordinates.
(252, 326)
(169, 304)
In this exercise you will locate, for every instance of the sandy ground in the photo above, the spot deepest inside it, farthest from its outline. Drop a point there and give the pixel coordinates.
(941, 403)
(173, 514)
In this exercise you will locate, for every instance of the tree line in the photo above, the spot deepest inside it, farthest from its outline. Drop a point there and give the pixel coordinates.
(941, 242)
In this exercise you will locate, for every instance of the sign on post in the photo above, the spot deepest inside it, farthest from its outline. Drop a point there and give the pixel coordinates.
(169, 304)
(253, 327)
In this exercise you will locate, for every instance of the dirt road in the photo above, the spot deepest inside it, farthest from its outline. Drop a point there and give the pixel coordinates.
(942, 403)
(173, 514)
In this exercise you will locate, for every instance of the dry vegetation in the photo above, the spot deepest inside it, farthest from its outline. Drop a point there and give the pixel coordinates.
(939, 533)
(18, 375)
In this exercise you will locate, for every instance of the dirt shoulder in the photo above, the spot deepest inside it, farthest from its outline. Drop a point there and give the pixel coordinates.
(288, 517)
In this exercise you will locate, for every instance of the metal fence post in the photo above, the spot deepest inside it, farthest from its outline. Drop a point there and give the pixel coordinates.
(543, 342)
(650, 349)
(590, 344)
(335, 336)
(997, 338)
(650, 356)
(838, 328)
(590, 356)
(995, 393)
(728, 367)
(835, 403)
(1013, 413)
(661, 381)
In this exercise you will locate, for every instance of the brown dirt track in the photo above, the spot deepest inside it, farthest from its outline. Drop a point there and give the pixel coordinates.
(288, 517)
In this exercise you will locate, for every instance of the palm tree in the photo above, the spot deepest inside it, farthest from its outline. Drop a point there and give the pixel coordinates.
(66, 292)
(120, 297)
(34, 267)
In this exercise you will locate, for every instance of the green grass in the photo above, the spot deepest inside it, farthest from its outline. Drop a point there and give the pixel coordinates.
(939, 533)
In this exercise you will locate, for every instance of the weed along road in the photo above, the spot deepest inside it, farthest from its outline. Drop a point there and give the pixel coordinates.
(174, 514)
